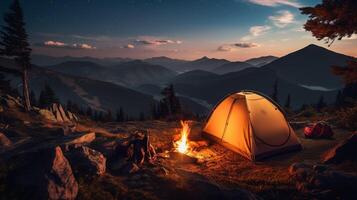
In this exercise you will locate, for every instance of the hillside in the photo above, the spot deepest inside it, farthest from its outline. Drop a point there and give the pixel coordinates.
(188, 105)
(310, 66)
(204, 63)
(194, 77)
(128, 74)
(137, 72)
(45, 60)
(232, 67)
(87, 92)
(261, 61)
(170, 63)
(259, 79)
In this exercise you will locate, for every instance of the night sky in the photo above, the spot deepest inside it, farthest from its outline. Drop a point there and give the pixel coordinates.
(186, 29)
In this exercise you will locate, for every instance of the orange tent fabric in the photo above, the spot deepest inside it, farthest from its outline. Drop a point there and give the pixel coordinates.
(251, 124)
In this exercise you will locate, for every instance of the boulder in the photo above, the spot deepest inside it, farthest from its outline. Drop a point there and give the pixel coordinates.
(87, 161)
(4, 141)
(86, 138)
(10, 101)
(319, 180)
(47, 114)
(44, 174)
(56, 113)
(346, 150)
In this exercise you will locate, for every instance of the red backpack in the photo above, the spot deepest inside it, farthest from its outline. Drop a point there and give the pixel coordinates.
(318, 130)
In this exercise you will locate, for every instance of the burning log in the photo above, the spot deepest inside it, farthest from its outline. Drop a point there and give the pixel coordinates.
(140, 149)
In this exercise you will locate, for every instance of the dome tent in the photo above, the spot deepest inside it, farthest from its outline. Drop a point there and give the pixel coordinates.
(251, 124)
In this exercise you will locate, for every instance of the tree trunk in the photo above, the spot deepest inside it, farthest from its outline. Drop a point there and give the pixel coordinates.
(25, 87)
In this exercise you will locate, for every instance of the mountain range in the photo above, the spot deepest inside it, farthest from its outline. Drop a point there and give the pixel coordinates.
(129, 74)
(200, 84)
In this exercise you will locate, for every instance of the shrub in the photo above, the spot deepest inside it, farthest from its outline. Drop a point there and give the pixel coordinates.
(347, 118)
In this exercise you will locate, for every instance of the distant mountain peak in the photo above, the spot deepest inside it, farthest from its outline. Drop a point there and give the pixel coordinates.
(204, 58)
(314, 47)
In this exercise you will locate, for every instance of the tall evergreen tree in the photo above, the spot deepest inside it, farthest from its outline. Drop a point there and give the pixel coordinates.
(170, 103)
(120, 115)
(89, 111)
(141, 116)
(109, 116)
(339, 99)
(14, 43)
(33, 98)
(320, 104)
(47, 97)
(274, 95)
(288, 102)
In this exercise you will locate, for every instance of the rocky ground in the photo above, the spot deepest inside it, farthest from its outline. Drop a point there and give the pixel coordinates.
(44, 155)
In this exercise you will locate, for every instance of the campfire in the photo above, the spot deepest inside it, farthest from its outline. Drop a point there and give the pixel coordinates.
(182, 145)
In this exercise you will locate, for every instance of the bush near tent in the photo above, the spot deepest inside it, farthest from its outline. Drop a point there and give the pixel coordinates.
(318, 130)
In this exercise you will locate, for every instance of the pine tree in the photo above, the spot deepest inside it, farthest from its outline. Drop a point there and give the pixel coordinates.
(100, 116)
(141, 116)
(89, 111)
(14, 43)
(69, 105)
(120, 115)
(5, 86)
(274, 95)
(288, 102)
(154, 112)
(95, 116)
(339, 100)
(33, 98)
(170, 103)
(109, 116)
(47, 97)
(320, 104)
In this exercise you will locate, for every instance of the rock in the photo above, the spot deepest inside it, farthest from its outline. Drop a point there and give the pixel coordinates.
(295, 166)
(44, 174)
(87, 161)
(346, 150)
(10, 101)
(182, 158)
(56, 113)
(4, 141)
(124, 167)
(86, 138)
(320, 180)
(69, 129)
(47, 114)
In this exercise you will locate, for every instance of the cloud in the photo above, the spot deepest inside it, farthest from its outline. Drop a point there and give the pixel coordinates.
(282, 18)
(55, 43)
(274, 3)
(235, 46)
(157, 42)
(246, 44)
(226, 48)
(58, 44)
(255, 31)
(129, 46)
(259, 30)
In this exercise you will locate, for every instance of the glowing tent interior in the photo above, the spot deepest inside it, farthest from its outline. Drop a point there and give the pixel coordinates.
(251, 124)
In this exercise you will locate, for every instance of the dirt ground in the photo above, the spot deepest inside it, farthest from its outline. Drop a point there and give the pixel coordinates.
(268, 178)
(217, 168)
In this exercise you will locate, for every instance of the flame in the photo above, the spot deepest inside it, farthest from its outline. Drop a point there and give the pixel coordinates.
(182, 144)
